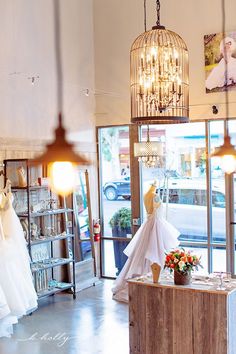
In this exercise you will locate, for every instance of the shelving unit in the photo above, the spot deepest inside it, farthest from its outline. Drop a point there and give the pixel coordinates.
(43, 266)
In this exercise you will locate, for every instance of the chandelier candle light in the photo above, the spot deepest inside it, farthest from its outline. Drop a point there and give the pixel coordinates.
(159, 76)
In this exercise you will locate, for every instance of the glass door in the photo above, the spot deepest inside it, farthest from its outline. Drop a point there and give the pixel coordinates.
(115, 196)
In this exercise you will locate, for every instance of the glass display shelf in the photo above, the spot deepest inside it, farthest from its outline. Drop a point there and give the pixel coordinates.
(45, 213)
(31, 188)
(49, 263)
(52, 291)
(45, 239)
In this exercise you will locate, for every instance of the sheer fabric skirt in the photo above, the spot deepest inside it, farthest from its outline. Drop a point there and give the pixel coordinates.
(148, 246)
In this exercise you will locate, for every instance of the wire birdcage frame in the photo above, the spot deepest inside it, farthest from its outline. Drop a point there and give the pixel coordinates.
(159, 78)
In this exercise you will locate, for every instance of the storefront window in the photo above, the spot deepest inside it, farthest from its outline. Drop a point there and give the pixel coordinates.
(182, 180)
(218, 185)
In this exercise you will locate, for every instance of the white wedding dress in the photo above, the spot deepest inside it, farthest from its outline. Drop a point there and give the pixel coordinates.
(17, 293)
(154, 237)
(217, 76)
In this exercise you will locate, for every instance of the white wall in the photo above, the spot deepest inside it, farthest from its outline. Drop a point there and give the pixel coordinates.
(119, 22)
(28, 113)
(27, 49)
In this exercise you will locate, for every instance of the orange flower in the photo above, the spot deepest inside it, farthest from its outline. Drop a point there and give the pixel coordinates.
(190, 259)
(184, 259)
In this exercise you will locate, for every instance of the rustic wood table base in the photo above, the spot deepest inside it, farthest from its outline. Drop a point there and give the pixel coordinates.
(170, 319)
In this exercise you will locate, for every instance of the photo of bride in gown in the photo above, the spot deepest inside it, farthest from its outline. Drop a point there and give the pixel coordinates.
(218, 52)
(154, 237)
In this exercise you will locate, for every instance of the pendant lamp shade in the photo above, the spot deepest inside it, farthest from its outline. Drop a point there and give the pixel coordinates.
(60, 149)
(149, 153)
(159, 77)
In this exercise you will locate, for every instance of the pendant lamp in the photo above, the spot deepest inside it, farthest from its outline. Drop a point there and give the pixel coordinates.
(149, 153)
(226, 152)
(159, 76)
(60, 156)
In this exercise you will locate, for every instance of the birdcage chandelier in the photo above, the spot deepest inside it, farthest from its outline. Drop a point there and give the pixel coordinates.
(159, 76)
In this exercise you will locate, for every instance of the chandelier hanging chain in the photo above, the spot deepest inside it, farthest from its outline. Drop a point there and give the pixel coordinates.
(145, 15)
(158, 7)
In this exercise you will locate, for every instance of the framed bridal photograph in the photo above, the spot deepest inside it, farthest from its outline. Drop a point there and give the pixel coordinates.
(218, 51)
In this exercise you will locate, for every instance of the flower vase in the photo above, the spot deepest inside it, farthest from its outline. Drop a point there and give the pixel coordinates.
(182, 278)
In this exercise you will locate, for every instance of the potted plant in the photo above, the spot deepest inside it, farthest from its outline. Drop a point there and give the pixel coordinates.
(121, 227)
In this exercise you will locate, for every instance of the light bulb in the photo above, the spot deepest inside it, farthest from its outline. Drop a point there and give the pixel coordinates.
(228, 163)
(62, 177)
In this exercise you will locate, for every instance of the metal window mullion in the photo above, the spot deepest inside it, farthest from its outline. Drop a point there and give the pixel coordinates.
(209, 196)
(229, 217)
(100, 194)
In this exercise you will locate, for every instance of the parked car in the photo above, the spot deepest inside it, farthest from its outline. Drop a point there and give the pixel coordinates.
(187, 209)
(121, 187)
(117, 188)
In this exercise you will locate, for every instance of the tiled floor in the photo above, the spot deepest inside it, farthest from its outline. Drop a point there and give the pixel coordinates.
(91, 324)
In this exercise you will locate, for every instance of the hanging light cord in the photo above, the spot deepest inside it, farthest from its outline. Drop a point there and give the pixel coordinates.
(57, 40)
(225, 63)
(145, 16)
(158, 6)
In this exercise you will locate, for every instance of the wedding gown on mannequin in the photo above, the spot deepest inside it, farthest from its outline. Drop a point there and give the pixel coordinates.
(148, 245)
(15, 275)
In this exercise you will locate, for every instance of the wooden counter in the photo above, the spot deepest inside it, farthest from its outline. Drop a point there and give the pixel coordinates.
(170, 319)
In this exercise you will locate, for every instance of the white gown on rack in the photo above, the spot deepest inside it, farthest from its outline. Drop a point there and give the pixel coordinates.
(6, 319)
(15, 275)
(148, 246)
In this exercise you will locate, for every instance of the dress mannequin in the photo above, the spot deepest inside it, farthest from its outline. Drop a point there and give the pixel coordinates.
(148, 245)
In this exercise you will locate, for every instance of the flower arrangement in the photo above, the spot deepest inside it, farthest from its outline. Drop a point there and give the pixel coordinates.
(182, 261)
